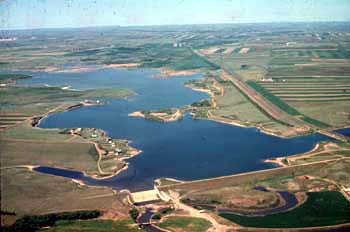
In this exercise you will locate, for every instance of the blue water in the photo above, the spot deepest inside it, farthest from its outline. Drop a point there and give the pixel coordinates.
(187, 149)
(344, 131)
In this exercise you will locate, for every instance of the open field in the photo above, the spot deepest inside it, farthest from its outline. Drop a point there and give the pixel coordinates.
(320, 209)
(177, 224)
(232, 197)
(27, 192)
(234, 105)
(25, 131)
(76, 156)
(117, 48)
(35, 95)
(93, 226)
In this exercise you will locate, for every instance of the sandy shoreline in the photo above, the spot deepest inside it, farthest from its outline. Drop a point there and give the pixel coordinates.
(166, 73)
(136, 114)
(126, 65)
(173, 117)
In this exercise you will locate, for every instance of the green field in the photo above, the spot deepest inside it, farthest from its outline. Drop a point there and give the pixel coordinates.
(285, 107)
(175, 223)
(26, 192)
(242, 197)
(320, 209)
(33, 95)
(93, 226)
(76, 156)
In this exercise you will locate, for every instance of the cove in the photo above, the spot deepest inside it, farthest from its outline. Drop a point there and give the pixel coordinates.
(344, 131)
(186, 150)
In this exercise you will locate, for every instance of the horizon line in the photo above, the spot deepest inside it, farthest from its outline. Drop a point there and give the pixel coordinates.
(172, 25)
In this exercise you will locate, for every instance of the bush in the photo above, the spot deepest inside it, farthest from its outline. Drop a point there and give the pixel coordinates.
(134, 213)
(156, 216)
(165, 210)
(204, 103)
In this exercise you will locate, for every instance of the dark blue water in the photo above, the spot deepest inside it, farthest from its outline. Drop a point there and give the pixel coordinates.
(187, 149)
(344, 131)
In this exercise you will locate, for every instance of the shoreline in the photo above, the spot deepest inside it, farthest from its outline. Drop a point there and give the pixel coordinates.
(168, 73)
(139, 114)
(158, 116)
(219, 119)
(234, 122)
(83, 69)
(278, 161)
(35, 121)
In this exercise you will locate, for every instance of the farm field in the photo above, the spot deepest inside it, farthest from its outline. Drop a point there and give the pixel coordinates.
(310, 79)
(302, 79)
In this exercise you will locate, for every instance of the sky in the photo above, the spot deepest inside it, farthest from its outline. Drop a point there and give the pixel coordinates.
(26, 14)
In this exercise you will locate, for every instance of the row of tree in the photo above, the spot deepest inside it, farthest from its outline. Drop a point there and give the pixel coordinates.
(31, 223)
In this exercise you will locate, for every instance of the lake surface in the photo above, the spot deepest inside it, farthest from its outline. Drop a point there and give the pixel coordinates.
(187, 149)
(344, 131)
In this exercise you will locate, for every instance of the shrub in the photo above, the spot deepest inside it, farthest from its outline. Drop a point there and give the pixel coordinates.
(134, 213)
(156, 216)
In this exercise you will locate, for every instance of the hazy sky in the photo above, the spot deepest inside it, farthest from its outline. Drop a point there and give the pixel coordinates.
(81, 13)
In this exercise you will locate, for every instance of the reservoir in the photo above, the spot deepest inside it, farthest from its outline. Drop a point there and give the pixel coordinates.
(186, 150)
